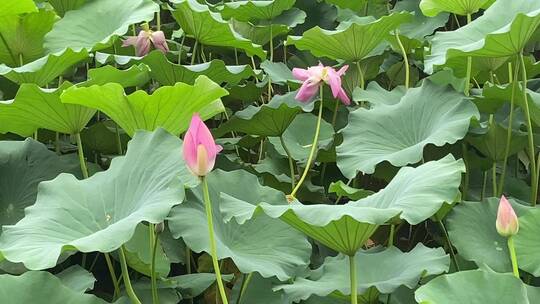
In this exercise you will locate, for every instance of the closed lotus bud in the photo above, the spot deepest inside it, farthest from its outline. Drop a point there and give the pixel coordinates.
(200, 149)
(507, 222)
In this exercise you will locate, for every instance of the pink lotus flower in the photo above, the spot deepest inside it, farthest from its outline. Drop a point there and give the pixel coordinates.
(315, 76)
(145, 39)
(200, 149)
(507, 222)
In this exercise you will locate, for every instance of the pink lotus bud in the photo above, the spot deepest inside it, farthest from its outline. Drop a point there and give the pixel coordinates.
(315, 76)
(200, 149)
(507, 222)
(145, 40)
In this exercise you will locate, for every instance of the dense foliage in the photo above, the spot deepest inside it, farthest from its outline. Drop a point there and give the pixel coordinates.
(269, 152)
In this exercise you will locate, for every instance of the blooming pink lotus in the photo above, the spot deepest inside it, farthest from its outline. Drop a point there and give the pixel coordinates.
(507, 222)
(315, 76)
(145, 39)
(200, 149)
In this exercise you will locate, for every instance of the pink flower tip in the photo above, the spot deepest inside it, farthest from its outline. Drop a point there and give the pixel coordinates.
(507, 223)
(200, 149)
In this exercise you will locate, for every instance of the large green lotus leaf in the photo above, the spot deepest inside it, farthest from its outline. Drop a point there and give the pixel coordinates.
(473, 287)
(95, 23)
(191, 285)
(139, 254)
(63, 6)
(271, 119)
(376, 95)
(41, 286)
(398, 133)
(494, 96)
(471, 227)
(527, 242)
(169, 107)
(209, 28)
(77, 278)
(493, 143)
(36, 108)
(298, 137)
(503, 30)
(45, 69)
(342, 189)
(385, 270)
(22, 37)
(259, 34)
(168, 73)
(415, 193)
(356, 5)
(264, 245)
(260, 290)
(23, 165)
(278, 72)
(100, 213)
(16, 7)
(135, 75)
(251, 10)
(352, 41)
(432, 8)
(102, 137)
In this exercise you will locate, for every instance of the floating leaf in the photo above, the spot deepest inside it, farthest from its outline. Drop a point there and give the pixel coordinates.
(136, 75)
(22, 36)
(432, 8)
(23, 165)
(473, 287)
(250, 10)
(527, 243)
(377, 95)
(253, 246)
(16, 7)
(209, 28)
(471, 227)
(352, 41)
(68, 215)
(45, 69)
(78, 29)
(385, 270)
(415, 193)
(33, 285)
(36, 108)
(398, 133)
(170, 108)
(503, 30)
(168, 73)
(278, 72)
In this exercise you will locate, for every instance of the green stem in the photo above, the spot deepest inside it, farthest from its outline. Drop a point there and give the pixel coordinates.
(405, 60)
(158, 20)
(113, 275)
(334, 116)
(450, 248)
(153, 279)
(194, 52)
(244, 287)
(57, 143)
(127, 282)
(466, 175)
(188, 266)
(494, 178)
(291, 162)
(513, 257)
(361, 74)
(469, 66)
(313, 147)
(181, 49)
(512, 79)
(484, 184)
(271, 43)
(532, 154)
(118, 140)
(213, 250)
(82, 161)
(352, 271)
(391, 235)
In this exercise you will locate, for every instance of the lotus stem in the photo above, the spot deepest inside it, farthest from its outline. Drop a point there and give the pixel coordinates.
(513, 257)
(465, 189)
(469, 65)
(532, 154)
(213, 250)
(405, 60)
(158, 19)
(352, 272)
(361, 74)
(512, 79)
(194, 52)
(57, 143)
(450, 247)
(125, 274)
(153, 246)
(391, 235)
(313, 147)
(243, 288)
(82, 161)
(119, 149)
(494, 178)
(271, 43)
(113, 275)
(291, 162)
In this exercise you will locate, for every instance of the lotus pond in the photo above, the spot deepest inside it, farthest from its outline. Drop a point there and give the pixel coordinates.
(269, 152)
